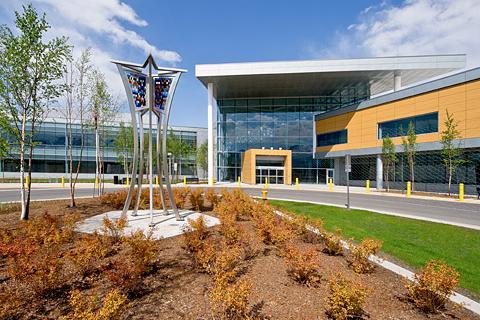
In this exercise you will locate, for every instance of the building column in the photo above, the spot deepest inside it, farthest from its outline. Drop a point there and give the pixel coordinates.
(397, 81)
(210, 135)
(379, 172)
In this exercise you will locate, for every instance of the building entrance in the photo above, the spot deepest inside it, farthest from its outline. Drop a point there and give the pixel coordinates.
(274, 175)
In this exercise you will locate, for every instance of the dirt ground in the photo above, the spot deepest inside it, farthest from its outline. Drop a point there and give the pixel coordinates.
(178, 290)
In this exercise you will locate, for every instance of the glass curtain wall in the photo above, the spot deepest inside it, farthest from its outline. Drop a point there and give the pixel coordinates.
(285, 123)
(51, 153)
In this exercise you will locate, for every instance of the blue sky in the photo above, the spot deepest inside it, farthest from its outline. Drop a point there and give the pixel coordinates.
(185, 33)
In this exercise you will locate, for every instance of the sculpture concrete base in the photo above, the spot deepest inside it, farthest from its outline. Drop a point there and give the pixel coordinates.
(164, 226)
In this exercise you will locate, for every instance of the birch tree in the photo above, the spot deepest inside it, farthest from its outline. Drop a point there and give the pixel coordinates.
(451, 151)
(410, 148)
(31, 69)
(389, 158)
(76, 94)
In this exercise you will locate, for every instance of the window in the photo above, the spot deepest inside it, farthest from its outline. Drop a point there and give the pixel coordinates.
(331, 138)
(425, 123)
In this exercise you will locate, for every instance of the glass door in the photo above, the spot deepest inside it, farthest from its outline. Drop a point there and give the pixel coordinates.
(330, 175)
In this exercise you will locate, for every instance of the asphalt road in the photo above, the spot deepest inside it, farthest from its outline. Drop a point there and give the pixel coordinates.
(10, 195)
(449, 212)
(442, 211)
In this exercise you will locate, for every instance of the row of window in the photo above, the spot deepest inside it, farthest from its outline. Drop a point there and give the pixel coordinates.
(425, 123)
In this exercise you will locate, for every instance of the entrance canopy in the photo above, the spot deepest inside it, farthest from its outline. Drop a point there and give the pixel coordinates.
(321, 77)
(273, 165)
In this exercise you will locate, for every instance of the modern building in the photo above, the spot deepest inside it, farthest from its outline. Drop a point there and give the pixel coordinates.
(51, 160)
(265, 108)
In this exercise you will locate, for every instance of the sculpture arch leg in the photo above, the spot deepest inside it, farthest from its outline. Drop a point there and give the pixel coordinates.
(134, 165)
(165, 168)
(159, 166)
(140, 175)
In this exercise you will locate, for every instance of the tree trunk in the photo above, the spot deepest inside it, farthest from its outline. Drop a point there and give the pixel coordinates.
(24, 214)
(449, 178)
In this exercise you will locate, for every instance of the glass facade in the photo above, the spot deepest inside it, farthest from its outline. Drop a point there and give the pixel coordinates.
(425, 123)
(332, 138)
(276, 123)
(51, 153)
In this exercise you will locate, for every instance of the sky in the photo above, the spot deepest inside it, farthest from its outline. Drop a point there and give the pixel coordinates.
(184, 33)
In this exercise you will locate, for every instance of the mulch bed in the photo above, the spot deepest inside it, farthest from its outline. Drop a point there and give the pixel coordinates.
(178, 290)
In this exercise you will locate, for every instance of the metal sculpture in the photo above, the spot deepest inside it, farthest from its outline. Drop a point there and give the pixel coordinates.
(150, 90)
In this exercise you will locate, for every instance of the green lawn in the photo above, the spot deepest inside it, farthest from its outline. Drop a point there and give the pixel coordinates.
(412, 241)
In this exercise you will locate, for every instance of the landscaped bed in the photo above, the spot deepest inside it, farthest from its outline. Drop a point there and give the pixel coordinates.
(254, 265)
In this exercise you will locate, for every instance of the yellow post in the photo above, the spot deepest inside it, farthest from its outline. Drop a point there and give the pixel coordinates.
(63, 182)
(264, 194)
(184, 181)
(213, 180)
(296, 183)
(156, 180)
(367, 186)
(96, 182)
(461, 192)
(330, 184)
(409, 189)
(26, 180)
(266, 182)
(239, 181)
(128, 180)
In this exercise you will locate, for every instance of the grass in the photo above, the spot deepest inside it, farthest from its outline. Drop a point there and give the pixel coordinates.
(413, 242)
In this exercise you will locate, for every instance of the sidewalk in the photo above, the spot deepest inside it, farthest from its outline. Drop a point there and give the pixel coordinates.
(337, 189)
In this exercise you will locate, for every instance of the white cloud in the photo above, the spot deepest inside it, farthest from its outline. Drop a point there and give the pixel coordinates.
(99, 24)
(412, 28)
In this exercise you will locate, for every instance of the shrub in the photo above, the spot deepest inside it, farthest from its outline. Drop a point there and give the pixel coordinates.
(205, 256)
(333, 243)
(196, 199)
(180, 195)
(212, 197)
(433, 286)
(231, 299)
(49, 230)
(127, 275)
(194, 234)
(10, 302)
(88, 250)
(142, 250)
(359, 259)
(88, 307)
(115, 228)
(229, 295)
(302, 265)
(232, 232)
(346, 299)
(270, 228)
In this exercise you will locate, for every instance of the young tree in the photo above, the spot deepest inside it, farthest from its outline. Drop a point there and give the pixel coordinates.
(410, 149)
(124, 146)
(202, 156)
(178, 148)
(77, 91)
(30, 70)
(451, 151)
(102, 111)
(389, 158)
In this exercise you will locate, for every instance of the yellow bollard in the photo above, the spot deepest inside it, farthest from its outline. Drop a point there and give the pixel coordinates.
(296, 183)
(128, 181)
(26, 180)
(239, 181)
(63, 182)
(184, 181)
(409, 189)
(156, 180)
(330, 184)
(266, 183)
(264, 194)
(367, 186)
(461, 192)
(96, 182)
(213, 180)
